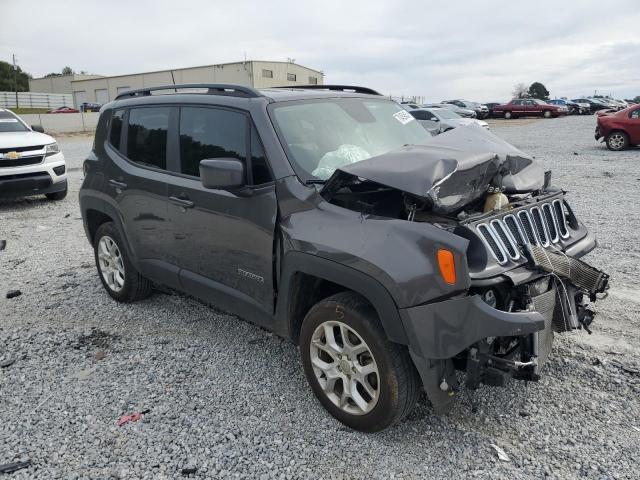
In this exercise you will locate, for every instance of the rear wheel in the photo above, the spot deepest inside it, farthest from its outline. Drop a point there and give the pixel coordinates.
(118, 276)
(508, 115)
(362, 379)
(617, 141)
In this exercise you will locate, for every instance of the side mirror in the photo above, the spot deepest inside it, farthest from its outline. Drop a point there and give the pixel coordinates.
(222, 173)
(37, 128)
(435, 119)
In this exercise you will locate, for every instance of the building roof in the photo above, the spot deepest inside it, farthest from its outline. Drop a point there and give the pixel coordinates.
(203, 66)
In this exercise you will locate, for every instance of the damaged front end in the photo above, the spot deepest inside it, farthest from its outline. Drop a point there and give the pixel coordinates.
(527, 281)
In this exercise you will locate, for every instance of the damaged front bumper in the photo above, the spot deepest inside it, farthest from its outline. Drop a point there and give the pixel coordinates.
(494, 345)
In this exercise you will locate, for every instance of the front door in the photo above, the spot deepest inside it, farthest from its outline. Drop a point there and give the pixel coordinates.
(223, 240)
(634, 126)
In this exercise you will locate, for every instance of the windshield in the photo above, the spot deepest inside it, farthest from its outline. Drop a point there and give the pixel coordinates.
(446, 114)
(324, 135)
(10, 123)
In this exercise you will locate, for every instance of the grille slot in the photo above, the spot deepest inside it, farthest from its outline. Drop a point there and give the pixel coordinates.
(551, 222)
(540, 229)
(527, 225)
(558, 209)
(493, 243)
(508, 242)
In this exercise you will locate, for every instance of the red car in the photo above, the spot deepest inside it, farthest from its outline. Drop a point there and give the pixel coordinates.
(64, 110)
(620, 129)
(528, 107)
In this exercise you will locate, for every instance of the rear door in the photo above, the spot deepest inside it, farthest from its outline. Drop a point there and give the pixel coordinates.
(223, 240)
(137, 185)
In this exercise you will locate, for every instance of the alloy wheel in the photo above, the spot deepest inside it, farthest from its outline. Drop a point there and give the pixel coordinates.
(616, 141)
(111, 263)
(345, 368)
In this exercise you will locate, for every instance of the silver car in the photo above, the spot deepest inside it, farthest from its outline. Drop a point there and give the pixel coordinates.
(438, 120)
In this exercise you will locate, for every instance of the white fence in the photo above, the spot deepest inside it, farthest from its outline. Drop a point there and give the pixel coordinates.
(63, 122)
(35, 100)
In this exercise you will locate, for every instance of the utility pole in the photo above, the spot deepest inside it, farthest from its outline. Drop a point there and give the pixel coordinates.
(15, 78)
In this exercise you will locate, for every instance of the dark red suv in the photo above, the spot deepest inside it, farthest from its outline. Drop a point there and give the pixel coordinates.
(620, 129)
(528, 107)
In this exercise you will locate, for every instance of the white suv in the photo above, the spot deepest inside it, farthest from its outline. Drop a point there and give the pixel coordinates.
(30, 161)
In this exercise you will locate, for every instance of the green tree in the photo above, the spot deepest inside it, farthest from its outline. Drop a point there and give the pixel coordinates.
(7, 81)
(67, 71)
(538, 90)
(637, 99)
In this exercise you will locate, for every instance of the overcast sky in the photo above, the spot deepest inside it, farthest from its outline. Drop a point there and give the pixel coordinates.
(475, 50)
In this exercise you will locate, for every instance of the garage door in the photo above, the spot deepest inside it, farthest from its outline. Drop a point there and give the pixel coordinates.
(102, 96)
(79, 98)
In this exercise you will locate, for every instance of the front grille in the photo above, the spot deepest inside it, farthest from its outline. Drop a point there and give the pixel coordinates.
(21, 162)
(21, 149)
(543, 225)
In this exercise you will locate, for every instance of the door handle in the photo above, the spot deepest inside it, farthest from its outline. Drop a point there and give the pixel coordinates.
(181, 202)
(117, 184)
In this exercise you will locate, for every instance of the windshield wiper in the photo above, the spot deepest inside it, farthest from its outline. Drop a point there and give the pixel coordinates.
(315, 181)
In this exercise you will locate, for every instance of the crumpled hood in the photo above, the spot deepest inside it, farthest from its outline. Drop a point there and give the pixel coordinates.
(451, 170)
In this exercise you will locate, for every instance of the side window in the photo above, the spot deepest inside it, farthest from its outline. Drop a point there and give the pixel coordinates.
(259, 167)
(147, 136)
(635, 114)
(517, 102)
(117, 119)
(210, 133)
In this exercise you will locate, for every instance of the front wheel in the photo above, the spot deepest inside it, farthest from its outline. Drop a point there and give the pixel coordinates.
(546, 114)
(359, 376)
(508, 115)
(119, 278)
(617, 141)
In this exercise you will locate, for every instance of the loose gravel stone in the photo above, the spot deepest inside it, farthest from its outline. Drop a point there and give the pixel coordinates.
(230, 400)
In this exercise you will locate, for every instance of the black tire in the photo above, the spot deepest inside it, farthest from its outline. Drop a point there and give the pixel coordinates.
(398, 381)
(508, 115)
(617, 141)
(56, 195)
(135, 286)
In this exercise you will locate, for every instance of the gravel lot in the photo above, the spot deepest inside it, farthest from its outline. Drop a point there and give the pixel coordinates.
(231, 400)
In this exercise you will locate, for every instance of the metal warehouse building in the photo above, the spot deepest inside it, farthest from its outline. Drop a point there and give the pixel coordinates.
(258, 74)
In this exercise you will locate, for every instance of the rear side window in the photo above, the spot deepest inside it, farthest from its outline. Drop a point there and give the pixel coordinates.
(210, 133)
(147, 136)
(116, 128)
(635, 113)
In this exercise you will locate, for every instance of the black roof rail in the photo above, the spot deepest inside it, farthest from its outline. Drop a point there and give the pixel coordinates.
(212, 89)
(338, 88)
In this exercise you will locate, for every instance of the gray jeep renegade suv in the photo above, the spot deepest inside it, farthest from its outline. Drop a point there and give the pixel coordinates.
(329, 216)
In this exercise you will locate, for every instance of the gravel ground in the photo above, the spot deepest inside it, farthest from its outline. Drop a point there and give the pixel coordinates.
(230, 400)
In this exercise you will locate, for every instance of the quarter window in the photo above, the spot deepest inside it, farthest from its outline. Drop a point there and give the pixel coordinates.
(635, 114)
(210, 133)
(260, 169)
(116, 128)
(267, 73)
(147, 136)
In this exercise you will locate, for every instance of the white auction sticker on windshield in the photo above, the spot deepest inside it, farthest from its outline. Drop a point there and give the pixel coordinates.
(8, 120)
(403, 117)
